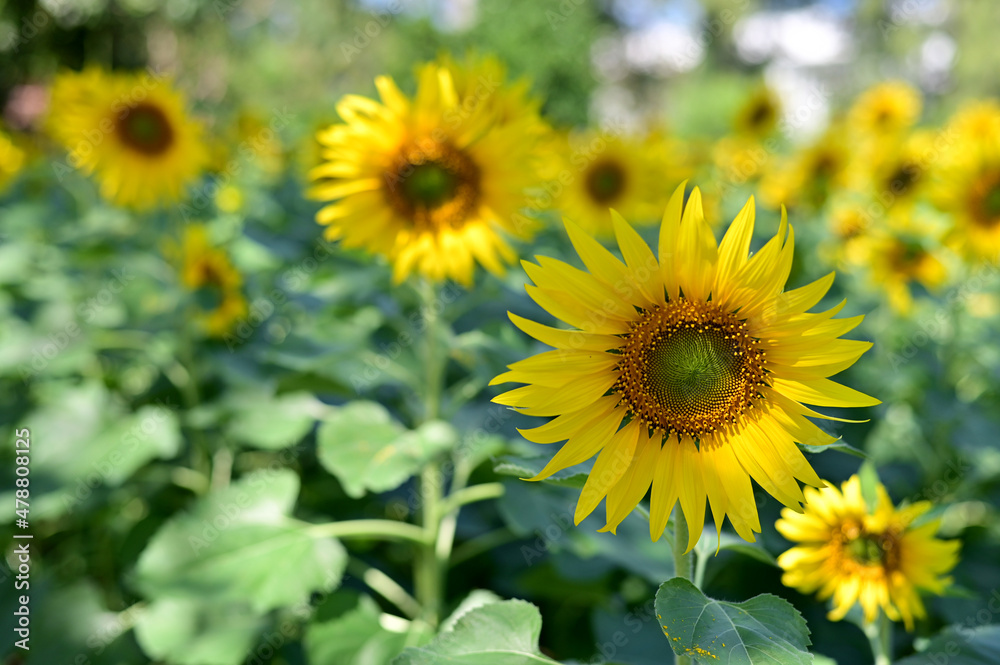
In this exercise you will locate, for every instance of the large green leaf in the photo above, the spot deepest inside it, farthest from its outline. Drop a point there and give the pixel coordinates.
(504, 633)
(190, 631)
(355, 637)
(762, 630)
(273, 422)
(367, 450)
(960, 645)
(237, 547)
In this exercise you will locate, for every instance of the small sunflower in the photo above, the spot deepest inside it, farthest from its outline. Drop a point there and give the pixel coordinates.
(601, 170)
(131, 131)
(968, 187)
(885, 109)
(898, 262)
(812, 175)
(434, 182)
(208, 273)
(759, 115)
(12, 159)
(879, 558)
(687, 373)
(898, 175)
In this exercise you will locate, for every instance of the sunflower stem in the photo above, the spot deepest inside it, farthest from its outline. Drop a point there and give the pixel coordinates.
(431, 562)
(879, 634)
(682, 561)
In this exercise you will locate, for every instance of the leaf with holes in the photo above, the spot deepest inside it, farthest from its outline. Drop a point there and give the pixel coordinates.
(764, 630)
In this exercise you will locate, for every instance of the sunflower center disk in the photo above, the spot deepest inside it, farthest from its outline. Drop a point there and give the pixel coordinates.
(874, 550)
(605, 182)
(690, 368)
(434, 185)
(145, 128)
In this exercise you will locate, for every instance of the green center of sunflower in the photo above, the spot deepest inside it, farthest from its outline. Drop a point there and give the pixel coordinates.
(433, 185)
(874, 549)
(691, 371)
(430, 185)
(209, 292)
(867, 550)
(689, 368)
(146, 129)
(605, 181)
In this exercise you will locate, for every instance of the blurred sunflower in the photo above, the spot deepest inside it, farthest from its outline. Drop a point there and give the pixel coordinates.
(968, 182)
(131, 131)
(849, 226)
(811, 175)
(12, 159)
(601, 170)
(759, 115)
(433, 183)
(687, 373)
(898, 176)
(879, 558)
(885, 109)
(215, 282)
(897, 262)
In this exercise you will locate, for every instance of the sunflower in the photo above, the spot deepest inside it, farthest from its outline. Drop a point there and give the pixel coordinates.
(207, 272)
(885, 109)
(811, 175)
(131, 131)
(968, 183)
(900, 261)
(12, 159)
(686, 373)
(759, 115)
(601, 170)
(431, 182)
(879, 558)
(898, 175)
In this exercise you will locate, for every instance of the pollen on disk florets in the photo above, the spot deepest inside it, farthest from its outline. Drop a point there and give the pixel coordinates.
(433, 184)
(689, 368)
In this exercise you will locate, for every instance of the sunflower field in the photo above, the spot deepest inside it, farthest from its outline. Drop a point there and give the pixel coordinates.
(485, 332)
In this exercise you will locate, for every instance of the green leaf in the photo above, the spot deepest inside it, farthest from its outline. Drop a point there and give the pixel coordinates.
(193, 631)
(273, 423)
(868, 475)
(838, 446)
(354, 638)
(520, 467)
(237, 546)
(960, 645)
(764, 629)
(367, 450)
(504, 633)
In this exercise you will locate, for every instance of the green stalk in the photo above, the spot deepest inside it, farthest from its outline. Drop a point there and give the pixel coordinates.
(682, 561)
(879, 634)
(429, 569)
